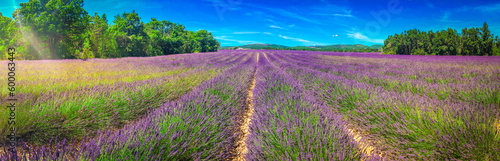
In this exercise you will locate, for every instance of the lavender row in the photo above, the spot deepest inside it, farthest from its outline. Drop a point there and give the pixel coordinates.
(75, 113)
(434, 72)
(289, 124)
(476, 85)
(200, 125)
(407, 125)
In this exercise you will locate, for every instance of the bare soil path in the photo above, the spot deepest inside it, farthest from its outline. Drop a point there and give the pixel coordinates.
(365, 146)
(241, 148)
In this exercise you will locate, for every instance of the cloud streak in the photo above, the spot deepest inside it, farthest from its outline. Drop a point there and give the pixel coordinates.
(303, 41)
(238, 41)
(342, 15)
(284, 13)
(276, 27)
(246, 33)
(361, 37)
(295, 39)
(446, 17)
(251, 32)
(489, 8)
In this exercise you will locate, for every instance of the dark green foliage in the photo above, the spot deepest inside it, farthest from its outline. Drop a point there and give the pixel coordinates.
(55, 29)
(6, 26)
(473, 41)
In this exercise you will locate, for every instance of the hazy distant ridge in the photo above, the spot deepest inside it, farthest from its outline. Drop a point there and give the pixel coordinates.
(326, 47)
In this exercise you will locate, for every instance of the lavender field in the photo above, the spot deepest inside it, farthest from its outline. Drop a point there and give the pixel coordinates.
(258, 105)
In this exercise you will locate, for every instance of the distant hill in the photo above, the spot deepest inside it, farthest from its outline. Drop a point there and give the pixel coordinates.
(377, 46)
(342, 46)
(338, 47)
(256, 46)
(262, 46)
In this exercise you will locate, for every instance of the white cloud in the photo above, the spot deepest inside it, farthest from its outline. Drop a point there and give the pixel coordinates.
(446, 17)
(225, 38)
(270, 20)
(489, 8)
(283, 13)
(295, 39)
(246, 32)
(342, 15)
(334, 14)
(276, 27)
(359, 36)
(250, 32)
(332, 10)
(304, 42)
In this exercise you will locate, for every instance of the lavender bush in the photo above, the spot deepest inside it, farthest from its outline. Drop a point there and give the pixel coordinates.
(290, 124)
(306, 107)
(407, 124)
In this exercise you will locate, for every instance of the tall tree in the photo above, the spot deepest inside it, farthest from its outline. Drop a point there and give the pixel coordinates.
(487, 40)
(131, 37)
(5, 34)
(98, 35)
(55, 20)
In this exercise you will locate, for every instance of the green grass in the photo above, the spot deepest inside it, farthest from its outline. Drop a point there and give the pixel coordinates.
(84, 113)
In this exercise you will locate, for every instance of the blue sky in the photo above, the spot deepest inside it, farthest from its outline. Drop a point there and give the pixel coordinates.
(303, 22)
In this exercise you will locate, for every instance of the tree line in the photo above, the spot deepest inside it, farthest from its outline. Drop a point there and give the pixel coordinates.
(62, 29)
(472, 41)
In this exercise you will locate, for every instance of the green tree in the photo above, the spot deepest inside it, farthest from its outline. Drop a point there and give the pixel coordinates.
(52, 29)
(6, 34)
(54, 21)
(130, 35)
(487, 40)
(472, 41)
(98, 35)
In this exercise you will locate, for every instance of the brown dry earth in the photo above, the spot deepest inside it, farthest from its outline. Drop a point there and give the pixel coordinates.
(241, 148)
(366, 147)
